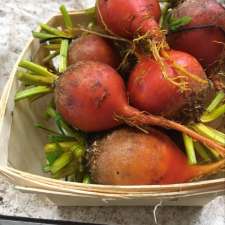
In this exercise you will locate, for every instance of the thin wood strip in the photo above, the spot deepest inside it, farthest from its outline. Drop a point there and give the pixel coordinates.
(111, 188)
(26, 181)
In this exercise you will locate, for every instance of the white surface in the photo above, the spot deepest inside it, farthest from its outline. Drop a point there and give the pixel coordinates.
(17, 19)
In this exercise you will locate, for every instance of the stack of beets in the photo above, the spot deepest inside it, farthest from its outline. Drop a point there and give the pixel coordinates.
(165, 83)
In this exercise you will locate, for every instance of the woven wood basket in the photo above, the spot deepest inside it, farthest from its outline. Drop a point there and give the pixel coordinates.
(21, 155)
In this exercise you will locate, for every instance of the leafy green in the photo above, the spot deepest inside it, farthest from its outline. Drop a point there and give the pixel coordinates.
(59, 138)
(53, 156)
(174, 24)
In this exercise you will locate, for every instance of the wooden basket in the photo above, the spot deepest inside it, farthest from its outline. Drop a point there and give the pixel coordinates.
(21, 150)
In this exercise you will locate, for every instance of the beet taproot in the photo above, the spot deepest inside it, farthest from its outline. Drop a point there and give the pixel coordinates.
(131, 157)
(92, 97)
(95, 48)
(204, 36)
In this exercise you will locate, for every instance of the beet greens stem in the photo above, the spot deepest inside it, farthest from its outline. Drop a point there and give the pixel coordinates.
(86, 179)
(50, 57)
(52, 46)
(30, 92)
(91, 10)
(216, 101)
(54, 31)
(37, 69)
(215, 154)
(209, 132)
(189, 147)
(67, 19)
(65, 146)
(34, 79)
(215, 114)
(202, 151)
(164, 13)
(61, 162)
(63, 56)
(78, 151)
(43, 36)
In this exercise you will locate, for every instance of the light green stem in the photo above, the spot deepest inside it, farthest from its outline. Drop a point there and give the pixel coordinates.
(50, 57)
(202, 151)
(86, 179)
(43, 36)
(65, 146)
(215, 153)
(63, 56)
(34, 79)
(61, 162)
(213, 115)
(52, 46)
(216, 101)
(30, 92)
(164, 13)
(78, 151)
(67, 19)
(69, 170)
(37, 69)
(66, 129)
(53, 30)
(209, 132)
(189, 147)
(91, 10)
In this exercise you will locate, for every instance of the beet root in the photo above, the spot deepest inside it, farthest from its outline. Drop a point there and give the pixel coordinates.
(129, 18)
(151, 91)
(92, 47)
(204, 36)
(91, 95)
(128, 157)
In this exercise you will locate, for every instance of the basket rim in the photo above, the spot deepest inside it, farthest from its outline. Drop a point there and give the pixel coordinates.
(180, 186)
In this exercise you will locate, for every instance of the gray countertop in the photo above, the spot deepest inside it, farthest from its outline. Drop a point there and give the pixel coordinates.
(17, 19)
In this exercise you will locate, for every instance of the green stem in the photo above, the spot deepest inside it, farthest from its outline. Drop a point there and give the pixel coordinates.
(213, 115)
(202, 151)
(215, 154)
(66, 129)
(52, 46)
(189, 147)
(164, 13)
(34, 79)
(43, 36)
(67, 19)
(37, 69)
(30, 92)
(78, 151)
(59, 138)
(61, 162)
(91, 10)
(41, 126)
(63, 56)
(86, 179)
(53, 31)
(50, 57)
(65, 146)
(68, 170)
(222, 135)
(209, 132)
(69, 132)
(216, 101)
(51, 112)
